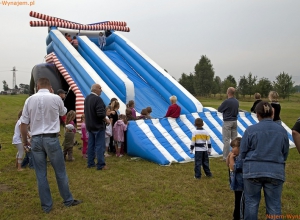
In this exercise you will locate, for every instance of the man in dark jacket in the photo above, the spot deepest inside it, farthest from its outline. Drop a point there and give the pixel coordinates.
(230, 110)
(94, 110)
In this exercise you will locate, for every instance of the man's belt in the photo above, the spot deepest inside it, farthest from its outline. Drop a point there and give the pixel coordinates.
(52, 135)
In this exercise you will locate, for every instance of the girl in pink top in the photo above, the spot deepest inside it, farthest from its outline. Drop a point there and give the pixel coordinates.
(84, 136)
(118, 131)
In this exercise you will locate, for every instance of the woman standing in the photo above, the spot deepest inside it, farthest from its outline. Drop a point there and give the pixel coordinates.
(264, 148)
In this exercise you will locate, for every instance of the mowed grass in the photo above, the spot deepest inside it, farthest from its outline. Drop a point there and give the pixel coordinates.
(131, 189)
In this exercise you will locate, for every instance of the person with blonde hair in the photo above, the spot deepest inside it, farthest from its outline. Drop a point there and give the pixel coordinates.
(174, 109)
(257, 100)
(273, 97)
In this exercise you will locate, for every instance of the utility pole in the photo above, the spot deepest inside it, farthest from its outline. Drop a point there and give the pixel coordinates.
(14, 77)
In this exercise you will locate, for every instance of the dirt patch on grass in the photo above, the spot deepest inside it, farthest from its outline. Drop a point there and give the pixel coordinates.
(5, 188)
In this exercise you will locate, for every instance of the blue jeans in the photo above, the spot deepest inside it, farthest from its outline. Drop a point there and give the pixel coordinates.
(27, 160)
(41, 148)
(96, 145)
(201, 158)
(272, 192)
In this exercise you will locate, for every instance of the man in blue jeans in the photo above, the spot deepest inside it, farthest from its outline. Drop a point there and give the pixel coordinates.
(42, 111)
(95, 113)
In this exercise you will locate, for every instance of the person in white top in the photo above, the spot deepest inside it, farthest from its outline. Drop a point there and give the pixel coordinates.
(17, 141)
(101, 40)
(42, 111)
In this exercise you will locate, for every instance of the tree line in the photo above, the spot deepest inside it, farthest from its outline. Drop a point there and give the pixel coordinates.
(25, 87)
(203, 82)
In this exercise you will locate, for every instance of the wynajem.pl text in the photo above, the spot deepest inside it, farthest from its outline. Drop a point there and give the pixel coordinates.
(17, 3)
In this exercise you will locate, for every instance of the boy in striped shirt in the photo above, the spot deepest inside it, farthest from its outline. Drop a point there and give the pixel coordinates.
(200, 138)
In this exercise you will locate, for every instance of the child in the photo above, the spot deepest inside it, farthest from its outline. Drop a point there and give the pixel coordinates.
(71, 115)
(69, 142)
(108, 131)
(28, 157)
(143, 114)
(17, 141)
(131, 106)
(118, 130)
(257, 100)
(84, 136)
(235, 165)
(200, 138)
(149, 110)
(129, 116)
(273, 97)
(101, 40)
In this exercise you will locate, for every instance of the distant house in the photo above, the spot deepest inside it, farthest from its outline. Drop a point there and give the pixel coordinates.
(15, 91)
(3, 93)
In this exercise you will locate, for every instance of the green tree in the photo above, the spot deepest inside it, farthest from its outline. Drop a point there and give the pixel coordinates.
(297, 88)
(251, 81)
(229, 81)
(284, 85)
(243, 86)
(187, 82)
(5, 86)
(216, 86)
(264, 86)
(204, 75)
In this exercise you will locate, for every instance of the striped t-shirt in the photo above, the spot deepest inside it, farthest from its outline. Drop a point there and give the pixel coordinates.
(200, 138)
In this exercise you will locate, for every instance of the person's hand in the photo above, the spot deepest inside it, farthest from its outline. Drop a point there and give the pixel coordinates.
(232, 155)
(209, 151)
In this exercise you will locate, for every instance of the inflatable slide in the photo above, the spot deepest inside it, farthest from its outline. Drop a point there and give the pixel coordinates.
(126, 73)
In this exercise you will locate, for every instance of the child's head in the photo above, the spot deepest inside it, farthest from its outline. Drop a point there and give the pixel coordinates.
(149, 110)
(131, 104)
(144, 112)
(82, 118)
(101, 33)
(122, 117)
(69, 128)
(128, 112)
(108, 109)
(70, 116)
(198, 122)
(235, 145)
(273, 96)
(257, 96)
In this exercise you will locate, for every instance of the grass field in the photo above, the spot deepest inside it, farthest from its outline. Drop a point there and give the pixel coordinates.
(132, 189)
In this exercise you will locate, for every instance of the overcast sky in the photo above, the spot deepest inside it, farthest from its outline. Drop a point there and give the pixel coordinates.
(238, 36)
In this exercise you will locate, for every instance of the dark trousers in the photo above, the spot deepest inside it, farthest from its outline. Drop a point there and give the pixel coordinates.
(238, 212)
(201, 158)
(112, 148)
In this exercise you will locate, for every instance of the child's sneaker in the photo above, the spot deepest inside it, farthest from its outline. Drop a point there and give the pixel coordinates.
(121, 155)
(107, 155)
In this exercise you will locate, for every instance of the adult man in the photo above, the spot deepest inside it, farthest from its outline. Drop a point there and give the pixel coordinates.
(174, 109)
(62, 95)
(296, 134)
(230, 110)
(94, 110)
(42, 111)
